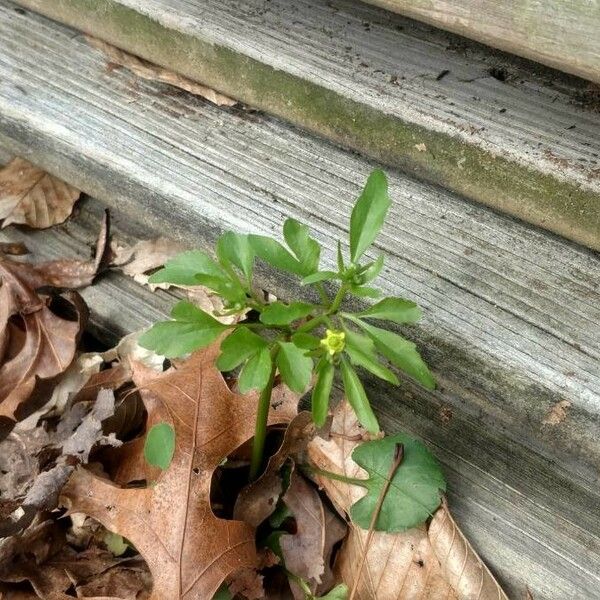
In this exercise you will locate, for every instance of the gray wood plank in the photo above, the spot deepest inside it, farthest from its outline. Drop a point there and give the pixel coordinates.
(530, 521)
(503, 132)
(560, 34)
(511, 312)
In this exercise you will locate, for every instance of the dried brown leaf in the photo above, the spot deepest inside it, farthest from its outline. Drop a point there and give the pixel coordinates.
(460, 564)
(41, 347)
(258, 500)
(306, 553)
(147, 70)
(189, 550)
(30, 196)
(145, 255)
(80, 430)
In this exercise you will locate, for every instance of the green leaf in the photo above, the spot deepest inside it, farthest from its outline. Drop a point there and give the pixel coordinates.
(235, 248)
(255, 373)
(365, 292)
(397, 310)
(319, 276)
(238, 347)
(415, 490)
(339, 592)
(361, 351)
(228, 289)
(340, 258)
(306, 249)
(368, 214)
(322, 391)
(306, 341)
(372, 270)
(183, 268)
(401, 352)
(278, 313)
(115, 543)
(355, 393)
(160, 445)
(190, 330)
(294, 367)
(272, 252)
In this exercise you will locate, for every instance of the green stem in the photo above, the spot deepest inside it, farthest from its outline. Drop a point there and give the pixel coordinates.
(339, 297)
(262, 417)
(331, 475)
(311, 324)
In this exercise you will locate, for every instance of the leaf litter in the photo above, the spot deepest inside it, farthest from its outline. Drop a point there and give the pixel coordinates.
(83, 513)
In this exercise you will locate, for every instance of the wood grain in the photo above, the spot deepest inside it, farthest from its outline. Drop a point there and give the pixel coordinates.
(494, 128)
(511, 312)
(559, 34)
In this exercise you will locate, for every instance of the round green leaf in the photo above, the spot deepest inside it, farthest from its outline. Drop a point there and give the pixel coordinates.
(415, 490)
(160, 445)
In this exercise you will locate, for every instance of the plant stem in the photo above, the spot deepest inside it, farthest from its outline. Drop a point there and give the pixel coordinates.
(262, 417)
(331, 475)
(398, 456)
(311, 324)
(339, 297)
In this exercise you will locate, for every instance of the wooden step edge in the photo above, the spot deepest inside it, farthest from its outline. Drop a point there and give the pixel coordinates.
(562, 35)
(544, 198)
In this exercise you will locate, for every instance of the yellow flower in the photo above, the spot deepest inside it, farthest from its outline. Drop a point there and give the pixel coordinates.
(334, 341)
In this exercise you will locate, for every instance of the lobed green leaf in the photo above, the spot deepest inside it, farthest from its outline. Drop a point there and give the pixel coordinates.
(415, 490)
(255, 373)
(401, 352)
(275, 254)
(306, 249)
(294, 367)
(361, 351)
(183, 269)
(235, 248)
(238, 347)
(279, 313)
(190, 329)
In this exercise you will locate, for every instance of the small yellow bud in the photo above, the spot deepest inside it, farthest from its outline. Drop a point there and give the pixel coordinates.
(334, 341)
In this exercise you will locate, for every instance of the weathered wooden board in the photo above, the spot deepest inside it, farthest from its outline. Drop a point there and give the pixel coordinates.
(560, 34)
(532, 523)
(500, 131)
(511, 312)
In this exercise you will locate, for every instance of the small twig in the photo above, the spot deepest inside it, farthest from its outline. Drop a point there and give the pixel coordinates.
(398, 456)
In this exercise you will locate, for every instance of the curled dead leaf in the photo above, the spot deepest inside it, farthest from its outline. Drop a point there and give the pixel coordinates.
(147, 70)
(189, 550)
(30, 196)
(460, 564)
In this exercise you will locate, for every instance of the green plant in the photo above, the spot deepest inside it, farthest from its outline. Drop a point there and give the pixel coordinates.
(304, 341)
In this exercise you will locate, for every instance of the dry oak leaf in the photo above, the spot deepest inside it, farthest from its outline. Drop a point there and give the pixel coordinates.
(410, 565)
(30, 196)
(189, 550)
